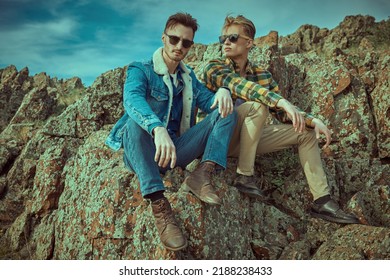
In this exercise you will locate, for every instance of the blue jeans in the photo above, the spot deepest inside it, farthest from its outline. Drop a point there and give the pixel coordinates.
(210, 137)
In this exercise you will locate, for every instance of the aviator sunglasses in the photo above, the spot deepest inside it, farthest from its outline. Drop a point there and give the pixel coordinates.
(174, 40)
(232, 38)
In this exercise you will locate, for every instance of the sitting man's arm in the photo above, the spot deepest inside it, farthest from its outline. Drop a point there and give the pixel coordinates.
(218, 74)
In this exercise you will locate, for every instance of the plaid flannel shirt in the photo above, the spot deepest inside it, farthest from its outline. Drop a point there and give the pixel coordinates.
(258, 85)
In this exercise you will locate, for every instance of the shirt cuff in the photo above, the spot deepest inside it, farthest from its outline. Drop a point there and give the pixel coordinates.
(227, 89)
(153, 126)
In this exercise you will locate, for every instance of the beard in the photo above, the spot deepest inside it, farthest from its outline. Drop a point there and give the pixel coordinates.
(176, 55)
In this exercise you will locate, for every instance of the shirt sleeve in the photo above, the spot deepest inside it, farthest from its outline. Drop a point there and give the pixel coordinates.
(217, 74)
(281, 115)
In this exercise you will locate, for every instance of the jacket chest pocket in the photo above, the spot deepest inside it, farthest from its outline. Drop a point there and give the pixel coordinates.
(159, 94)
(158, 101)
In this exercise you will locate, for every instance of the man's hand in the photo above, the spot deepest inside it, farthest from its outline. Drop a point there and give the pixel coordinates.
(224, 101)
(293, 114)
(165, 149)
(320, 127)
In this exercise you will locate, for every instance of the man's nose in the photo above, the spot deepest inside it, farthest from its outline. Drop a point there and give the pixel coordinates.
(180, 44)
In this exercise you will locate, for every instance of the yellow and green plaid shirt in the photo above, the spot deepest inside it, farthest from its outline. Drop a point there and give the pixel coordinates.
(258, 85)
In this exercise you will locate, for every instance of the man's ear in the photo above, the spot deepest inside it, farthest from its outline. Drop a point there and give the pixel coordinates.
(249, 43)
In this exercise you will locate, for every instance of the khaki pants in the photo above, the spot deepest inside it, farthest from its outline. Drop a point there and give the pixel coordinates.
(251, 138)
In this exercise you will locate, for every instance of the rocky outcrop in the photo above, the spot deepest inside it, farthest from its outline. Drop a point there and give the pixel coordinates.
(64, 195)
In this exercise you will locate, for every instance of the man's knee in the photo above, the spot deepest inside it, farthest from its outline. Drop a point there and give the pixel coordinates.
(233, 116)
(252, 109)
(258, 109)
(135, 134)
(230, 118)
(308, 136)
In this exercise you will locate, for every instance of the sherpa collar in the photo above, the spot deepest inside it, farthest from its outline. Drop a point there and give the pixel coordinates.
(159, 65)
(161, 68)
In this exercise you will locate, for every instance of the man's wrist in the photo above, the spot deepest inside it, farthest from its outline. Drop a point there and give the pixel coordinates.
(313, 122)
(280, 104)
(156, 129)
(227, 89)
(224, 90)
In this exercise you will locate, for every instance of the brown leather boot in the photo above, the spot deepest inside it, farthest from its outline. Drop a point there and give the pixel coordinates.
(170, 234)
(199, 183)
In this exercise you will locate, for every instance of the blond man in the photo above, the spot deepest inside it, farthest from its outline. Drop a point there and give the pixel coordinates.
(256, 94)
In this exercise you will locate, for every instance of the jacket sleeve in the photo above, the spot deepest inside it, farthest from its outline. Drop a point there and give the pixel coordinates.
(205, 97)
(135, 99)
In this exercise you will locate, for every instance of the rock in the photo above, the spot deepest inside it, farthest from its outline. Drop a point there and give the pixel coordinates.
(269, 41)
(13, 87)
(356, 242)
(65, 195)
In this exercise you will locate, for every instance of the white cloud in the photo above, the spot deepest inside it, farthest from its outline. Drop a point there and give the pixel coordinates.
(32, 44)
(56, 46)
(38, 35)
(125, 7)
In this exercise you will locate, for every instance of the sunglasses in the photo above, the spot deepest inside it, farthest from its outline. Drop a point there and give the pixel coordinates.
(232, 38)
(174, 40)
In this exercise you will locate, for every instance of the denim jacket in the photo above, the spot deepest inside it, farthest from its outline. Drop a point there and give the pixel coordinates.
(148, 95)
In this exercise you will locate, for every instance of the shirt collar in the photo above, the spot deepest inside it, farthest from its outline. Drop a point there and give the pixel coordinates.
(179, 70)
(232, 64)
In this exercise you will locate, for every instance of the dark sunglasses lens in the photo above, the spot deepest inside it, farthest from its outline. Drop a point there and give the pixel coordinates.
(173, 40)
(187, 43)
(232, 38)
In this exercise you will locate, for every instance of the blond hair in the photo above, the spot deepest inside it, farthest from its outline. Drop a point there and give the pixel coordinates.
(248, 26)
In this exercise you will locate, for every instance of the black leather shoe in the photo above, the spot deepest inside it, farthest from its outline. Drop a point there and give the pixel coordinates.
(331, 211)
(247, 185)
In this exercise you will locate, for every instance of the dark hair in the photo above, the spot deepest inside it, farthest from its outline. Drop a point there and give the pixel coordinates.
(184, 19)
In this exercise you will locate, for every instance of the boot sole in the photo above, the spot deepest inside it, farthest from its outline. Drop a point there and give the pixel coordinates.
(186, 188)
(333, 219)
(174, 249)
(250, 192)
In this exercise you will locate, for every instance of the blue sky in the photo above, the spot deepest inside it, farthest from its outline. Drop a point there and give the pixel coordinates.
(85, 38)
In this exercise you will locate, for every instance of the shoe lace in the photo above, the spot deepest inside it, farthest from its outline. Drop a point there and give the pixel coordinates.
(166, 213)
(207, 169)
